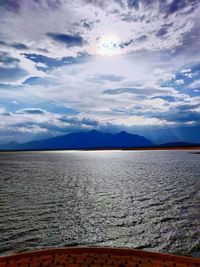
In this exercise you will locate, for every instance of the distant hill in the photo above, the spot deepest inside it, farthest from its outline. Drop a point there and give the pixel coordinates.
(178, 144)
(84, 140)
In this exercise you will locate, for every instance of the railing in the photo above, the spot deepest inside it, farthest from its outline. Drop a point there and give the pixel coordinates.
(93, 257)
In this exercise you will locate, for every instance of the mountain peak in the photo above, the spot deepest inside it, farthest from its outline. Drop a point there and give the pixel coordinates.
(94, 131)
(85, 140)
(122, 133)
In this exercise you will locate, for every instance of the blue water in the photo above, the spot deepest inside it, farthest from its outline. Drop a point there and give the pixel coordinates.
(141, 199)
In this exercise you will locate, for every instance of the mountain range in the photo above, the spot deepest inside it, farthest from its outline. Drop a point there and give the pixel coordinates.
(90, 140)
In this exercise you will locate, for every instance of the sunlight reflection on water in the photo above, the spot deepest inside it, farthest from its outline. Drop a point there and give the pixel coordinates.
(145, 199)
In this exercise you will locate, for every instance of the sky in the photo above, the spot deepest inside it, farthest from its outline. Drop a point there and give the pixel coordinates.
(131, 65)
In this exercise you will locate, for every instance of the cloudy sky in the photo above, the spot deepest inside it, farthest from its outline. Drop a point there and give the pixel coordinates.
(92, 64)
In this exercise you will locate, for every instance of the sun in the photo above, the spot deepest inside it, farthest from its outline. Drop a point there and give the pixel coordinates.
(109, 45)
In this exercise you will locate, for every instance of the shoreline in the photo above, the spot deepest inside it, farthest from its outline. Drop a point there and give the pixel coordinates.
(107, 149)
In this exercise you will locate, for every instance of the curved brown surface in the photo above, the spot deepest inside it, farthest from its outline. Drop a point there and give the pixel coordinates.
(93, 257)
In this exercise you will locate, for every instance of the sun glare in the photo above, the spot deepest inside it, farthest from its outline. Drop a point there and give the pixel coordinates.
(109, 45)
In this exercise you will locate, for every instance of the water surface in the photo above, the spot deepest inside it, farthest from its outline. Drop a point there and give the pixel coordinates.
(142, 199)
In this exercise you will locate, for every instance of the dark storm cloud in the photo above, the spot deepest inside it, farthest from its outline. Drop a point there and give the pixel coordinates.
(69, 40)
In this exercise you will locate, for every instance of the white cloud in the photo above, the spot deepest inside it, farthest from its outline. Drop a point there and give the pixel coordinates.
(2, 110)
(195, 84)
(154, 47)
(185, 71)
(179, 82)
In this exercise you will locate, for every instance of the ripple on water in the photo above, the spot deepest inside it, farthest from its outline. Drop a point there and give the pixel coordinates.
(143, 199)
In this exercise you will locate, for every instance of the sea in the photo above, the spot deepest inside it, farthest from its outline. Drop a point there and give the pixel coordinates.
(137, 199)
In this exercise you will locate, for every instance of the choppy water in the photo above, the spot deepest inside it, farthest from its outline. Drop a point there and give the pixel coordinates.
(143, 199)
